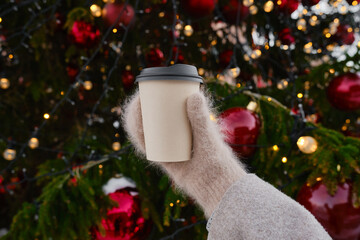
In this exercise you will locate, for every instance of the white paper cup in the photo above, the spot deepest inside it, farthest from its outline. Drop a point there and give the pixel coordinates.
(163, 95)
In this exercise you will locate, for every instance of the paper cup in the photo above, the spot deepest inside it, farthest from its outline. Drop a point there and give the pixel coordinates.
(163, 95)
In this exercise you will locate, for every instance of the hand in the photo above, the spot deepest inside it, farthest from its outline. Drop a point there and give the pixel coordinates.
(213, 167)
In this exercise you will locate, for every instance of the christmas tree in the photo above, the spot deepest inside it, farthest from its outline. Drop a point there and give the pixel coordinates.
(284, 75)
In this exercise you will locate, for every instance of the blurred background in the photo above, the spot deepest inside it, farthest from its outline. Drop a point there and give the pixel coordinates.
(284, 75)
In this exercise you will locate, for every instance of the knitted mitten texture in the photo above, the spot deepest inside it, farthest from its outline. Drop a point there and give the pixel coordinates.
(213, 167)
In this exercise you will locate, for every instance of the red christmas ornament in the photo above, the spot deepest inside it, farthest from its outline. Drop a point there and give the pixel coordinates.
(336, 213)
(155, 57)
(230, 11)
(9, 185)
(198, 8)
(180, 57)
(310, 3)
(344, 92)
(124, 222)
(225, 58)
(72, 72)
(285, 36)
(127, 78)
(240, 127)
(112, 11)
(288, 6)
(343, 36)
(84, 34)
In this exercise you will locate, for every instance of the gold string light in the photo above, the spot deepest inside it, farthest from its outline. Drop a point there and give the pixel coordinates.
(282, 84)
(268, 6)
(95, 10)
(188, 30)
(4, 83)
(253, 10)
(201, 71)
(116, 146)
(307, 144)
(33, 143)
(88, 85)
(248, 3)
(9, 154)
(301, 24)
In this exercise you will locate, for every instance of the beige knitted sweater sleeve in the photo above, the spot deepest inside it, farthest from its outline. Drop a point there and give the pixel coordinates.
(253, 209)
(238, 205)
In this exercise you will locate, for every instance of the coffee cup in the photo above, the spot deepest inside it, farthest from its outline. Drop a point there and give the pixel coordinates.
(163, 94)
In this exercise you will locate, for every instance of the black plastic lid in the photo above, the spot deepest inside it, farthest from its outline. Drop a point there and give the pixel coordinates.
(174, 72)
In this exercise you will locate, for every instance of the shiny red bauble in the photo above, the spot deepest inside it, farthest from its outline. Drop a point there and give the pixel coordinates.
(72, 71)
(84, 34)
(225, 58)
(309, 3)
(288, 6)
(112, 12)
(241, 128)
(127, 78)
(335, 213)
(180, 56)
(343, 92)
(11, 185)
(285, 36)
(155, 58)
(230, 11)
(343, 36)
(124, 222)
(198, 8)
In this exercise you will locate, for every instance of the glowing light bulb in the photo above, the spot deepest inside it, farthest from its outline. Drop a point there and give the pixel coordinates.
(275, 148)
(313, 20)
(252, 106)
(284, 159)
(212, 117)
(4, 83)
(248, 3)
(256, 54)
(88, 85)
(282, 84)
(201, 71)
(253, 10)
(268, 6)
(343, 10)
(178, 26)
(116, 146)
(9, 154)
(307, 144)
(301, 24)
(300, 95)
(233, 72)
(46, 116)
(188, 30)
(33, 143)
(95, 10)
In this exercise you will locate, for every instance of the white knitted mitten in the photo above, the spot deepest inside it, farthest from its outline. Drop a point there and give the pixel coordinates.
(213, 167)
